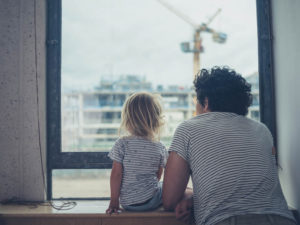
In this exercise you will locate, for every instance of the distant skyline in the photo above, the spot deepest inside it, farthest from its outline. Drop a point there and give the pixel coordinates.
(119, 37)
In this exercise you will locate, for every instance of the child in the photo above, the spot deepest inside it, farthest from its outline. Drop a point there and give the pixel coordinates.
(138, 158)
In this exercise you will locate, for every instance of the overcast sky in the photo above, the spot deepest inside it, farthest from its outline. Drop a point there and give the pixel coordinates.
(141, 37)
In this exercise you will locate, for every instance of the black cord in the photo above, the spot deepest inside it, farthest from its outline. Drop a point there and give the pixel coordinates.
(37, 97)
(62, 205)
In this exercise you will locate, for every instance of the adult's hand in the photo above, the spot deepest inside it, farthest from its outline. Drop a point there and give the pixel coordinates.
(184, 210)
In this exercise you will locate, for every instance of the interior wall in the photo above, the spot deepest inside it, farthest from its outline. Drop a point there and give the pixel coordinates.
(22, 72)
(286, 30)
(22, 76)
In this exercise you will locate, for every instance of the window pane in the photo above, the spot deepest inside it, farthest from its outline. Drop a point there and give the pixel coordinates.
(113, 48)
(85, 183)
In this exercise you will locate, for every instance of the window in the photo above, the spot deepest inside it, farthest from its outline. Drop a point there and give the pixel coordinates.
(83, 114)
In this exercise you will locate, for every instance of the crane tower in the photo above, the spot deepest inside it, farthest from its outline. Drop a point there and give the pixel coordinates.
(196, 46)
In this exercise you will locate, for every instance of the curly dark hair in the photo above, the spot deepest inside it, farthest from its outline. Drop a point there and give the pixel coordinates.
(225, 90)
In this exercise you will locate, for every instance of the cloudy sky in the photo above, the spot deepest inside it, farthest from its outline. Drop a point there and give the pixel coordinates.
(109, 38)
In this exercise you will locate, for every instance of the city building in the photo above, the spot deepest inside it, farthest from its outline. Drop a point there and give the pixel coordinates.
(254, 108)
(91, 119)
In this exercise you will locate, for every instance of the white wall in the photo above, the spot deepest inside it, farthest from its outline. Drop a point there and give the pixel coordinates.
(20, 165)
(286, 29)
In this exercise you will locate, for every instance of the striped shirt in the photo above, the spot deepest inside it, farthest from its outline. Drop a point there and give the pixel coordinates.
(232, 167)
(141, 159)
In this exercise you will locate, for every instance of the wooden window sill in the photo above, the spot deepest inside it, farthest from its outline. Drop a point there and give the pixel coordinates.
(84, 213)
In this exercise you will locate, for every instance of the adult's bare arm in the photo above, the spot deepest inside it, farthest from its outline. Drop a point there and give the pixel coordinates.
(176, 177)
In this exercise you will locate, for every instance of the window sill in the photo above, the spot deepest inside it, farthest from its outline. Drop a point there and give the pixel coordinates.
(85, 212)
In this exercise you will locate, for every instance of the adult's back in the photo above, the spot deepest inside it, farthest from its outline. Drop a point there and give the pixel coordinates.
(232, 166)
(228, 156)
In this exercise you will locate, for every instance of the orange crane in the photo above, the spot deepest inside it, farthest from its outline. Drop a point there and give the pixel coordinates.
(196, 47)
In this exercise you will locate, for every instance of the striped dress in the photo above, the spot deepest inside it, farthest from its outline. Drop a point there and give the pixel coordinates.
(141, 159)
(232, 167)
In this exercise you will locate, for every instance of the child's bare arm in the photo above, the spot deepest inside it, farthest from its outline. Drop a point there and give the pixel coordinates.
(115, 186)
(159, 173)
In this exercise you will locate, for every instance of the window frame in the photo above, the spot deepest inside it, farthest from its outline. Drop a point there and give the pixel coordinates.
(56, 159)
(266, 66)
(99, 160)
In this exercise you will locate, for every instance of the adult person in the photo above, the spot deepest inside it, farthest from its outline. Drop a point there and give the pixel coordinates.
(229, 157)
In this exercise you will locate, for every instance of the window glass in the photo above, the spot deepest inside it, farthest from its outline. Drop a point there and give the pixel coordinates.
(113, 48)
(85, 183)
(82, 183)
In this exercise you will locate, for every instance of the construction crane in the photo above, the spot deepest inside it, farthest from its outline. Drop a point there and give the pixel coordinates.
(196, 46)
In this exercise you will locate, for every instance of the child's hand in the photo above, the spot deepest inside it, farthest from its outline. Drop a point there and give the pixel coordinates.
(114, 207)
(159, 173)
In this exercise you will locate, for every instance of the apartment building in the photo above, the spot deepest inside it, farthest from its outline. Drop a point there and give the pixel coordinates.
(91, 119)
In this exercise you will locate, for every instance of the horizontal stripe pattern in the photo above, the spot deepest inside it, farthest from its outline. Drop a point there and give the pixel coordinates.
(141, 159)
(233, 169)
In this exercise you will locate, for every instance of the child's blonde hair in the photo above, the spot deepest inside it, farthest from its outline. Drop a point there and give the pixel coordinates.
(142, 115)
